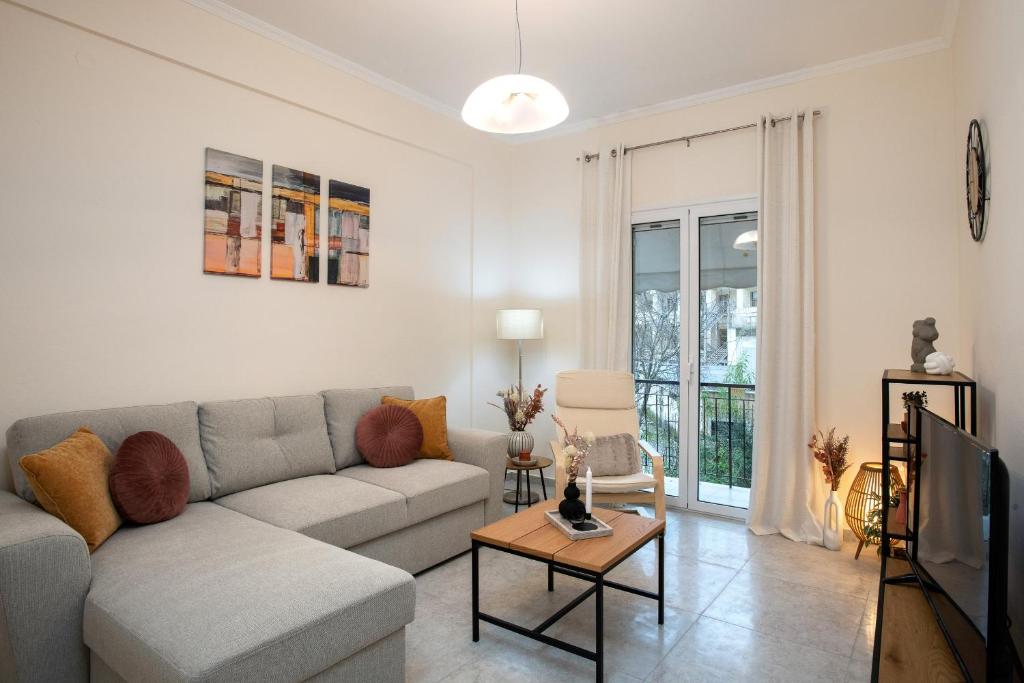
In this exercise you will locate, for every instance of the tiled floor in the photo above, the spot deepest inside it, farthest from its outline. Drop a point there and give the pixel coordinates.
(739, 607)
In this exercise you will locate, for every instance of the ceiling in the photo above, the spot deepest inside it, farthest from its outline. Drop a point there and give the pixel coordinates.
(610, 59)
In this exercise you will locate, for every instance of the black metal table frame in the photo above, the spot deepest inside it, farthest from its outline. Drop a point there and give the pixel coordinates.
(520, 471)
(600, 583)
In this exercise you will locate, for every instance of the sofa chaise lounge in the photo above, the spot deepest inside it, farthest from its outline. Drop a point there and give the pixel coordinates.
(291, 561)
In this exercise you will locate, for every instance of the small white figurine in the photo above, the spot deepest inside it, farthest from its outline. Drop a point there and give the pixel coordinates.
(939, 363)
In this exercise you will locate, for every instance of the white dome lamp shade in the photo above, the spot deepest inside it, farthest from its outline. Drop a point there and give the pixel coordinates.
(746, 241)
(515, 103)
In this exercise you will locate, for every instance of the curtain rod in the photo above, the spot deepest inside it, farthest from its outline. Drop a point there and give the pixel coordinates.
(694, 136)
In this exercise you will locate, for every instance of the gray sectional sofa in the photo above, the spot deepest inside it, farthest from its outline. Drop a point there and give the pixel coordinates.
(291, 562)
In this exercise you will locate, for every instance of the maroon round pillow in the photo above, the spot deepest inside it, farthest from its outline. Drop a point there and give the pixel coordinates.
(149, 480)
(389, 436)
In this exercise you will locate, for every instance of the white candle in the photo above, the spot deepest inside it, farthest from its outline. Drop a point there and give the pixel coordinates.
(589, 482)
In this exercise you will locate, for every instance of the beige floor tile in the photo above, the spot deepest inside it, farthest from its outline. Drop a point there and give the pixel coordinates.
(859, 669)
(716, 652)
(543, 665)
(690, 585)
(815, 566)
(710, 539)
(798, 614)
(634, 641)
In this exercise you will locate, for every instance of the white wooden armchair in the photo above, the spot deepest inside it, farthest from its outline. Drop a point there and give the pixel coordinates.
(604, 403)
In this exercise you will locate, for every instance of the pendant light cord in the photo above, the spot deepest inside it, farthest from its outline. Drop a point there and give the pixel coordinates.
(519, 43)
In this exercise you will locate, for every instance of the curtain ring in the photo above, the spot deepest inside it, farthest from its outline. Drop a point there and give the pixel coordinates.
(615, 153)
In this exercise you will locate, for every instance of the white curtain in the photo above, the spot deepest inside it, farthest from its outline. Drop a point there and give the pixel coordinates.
(787, 489)
(605, 261)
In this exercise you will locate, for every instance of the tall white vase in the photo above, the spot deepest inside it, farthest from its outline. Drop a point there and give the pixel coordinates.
(833, 525)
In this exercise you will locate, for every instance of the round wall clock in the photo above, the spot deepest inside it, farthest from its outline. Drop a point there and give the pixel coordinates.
(976, 181)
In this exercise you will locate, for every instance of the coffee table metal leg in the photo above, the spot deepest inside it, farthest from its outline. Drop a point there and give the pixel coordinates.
(529, 493)
(543, 486)
(476, 592)
(519, 484)
(551, 577)
(599, 631)
(661, 578)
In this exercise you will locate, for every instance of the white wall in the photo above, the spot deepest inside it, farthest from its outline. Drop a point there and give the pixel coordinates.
(108, 107)
(885, 215)
(988, 51)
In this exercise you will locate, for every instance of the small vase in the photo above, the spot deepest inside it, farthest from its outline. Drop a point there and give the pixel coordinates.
(572, 508)
(833, 527)
(901, 509)
(519, 442)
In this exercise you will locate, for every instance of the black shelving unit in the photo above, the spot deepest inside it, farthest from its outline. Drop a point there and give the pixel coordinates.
(902, 445)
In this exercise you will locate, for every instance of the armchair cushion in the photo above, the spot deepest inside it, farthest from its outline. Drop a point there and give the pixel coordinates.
(624, 483)
(613, 455)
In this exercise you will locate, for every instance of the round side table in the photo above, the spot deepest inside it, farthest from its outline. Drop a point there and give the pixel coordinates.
(516, 497)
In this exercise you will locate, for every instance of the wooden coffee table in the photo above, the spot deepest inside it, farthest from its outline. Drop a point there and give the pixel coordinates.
(528, 534)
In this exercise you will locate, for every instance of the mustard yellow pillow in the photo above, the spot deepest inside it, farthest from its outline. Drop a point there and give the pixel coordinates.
(431, 413)
(70, 482)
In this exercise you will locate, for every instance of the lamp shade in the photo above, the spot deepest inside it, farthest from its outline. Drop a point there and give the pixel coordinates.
(865, 496)
(520, 323)
(746, 241)
(515, 103)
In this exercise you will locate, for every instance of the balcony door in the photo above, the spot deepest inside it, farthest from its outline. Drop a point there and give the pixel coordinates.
(694, 348)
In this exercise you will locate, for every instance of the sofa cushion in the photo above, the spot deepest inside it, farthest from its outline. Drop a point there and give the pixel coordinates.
(70, 482)
(215, 595)
(340, 511)
(389, 436)
(343, 408)
(431, 487)
(149, 480)
(258, 441)
(433, 416)
(177, 421)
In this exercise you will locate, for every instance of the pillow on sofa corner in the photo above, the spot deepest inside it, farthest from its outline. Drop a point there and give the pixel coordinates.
(389, 436)
(431, 413)
(70, 482)
(149, 481)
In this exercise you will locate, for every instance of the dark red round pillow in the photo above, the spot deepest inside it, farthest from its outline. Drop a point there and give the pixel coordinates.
(389, 436)
(149, 480)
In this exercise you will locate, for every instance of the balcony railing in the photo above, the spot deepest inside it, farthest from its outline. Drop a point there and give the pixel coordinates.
(725, 428)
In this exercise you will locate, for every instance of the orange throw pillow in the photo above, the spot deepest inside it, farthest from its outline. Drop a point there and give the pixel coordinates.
(432, 415)
(70, 482)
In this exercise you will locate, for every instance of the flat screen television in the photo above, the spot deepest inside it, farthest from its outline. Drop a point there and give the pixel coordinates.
(962, 546)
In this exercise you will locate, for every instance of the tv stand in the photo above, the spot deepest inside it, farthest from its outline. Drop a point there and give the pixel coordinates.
(911, 646)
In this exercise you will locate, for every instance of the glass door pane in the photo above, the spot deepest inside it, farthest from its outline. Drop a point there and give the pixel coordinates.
(727, 344)
(656, 336)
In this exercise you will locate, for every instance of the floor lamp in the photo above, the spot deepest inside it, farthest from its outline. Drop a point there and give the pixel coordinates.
(520, 324)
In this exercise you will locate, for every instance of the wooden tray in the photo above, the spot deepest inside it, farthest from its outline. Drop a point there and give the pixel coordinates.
(563, 525)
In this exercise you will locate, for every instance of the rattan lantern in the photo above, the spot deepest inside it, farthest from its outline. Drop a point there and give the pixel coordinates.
(866, 496)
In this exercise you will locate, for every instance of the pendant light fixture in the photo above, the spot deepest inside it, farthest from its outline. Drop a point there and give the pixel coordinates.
(515, 103)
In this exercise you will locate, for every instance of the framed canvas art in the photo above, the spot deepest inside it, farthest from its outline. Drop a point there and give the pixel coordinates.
(348, 235)
(233, 220)
(295, 225)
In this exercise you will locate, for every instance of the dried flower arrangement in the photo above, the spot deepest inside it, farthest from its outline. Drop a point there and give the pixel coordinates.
(832, 454)
(520, 408)
(575, 447)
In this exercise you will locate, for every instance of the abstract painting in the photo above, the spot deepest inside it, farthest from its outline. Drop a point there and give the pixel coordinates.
(348, 235)
(233, 222)
(295, 225)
